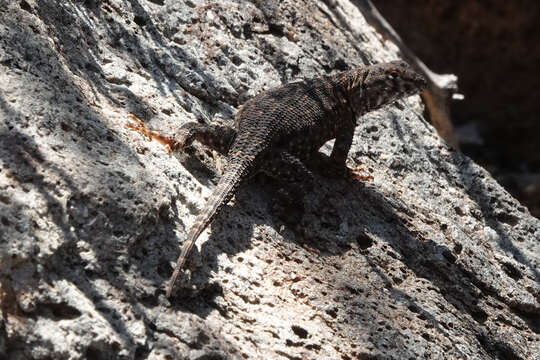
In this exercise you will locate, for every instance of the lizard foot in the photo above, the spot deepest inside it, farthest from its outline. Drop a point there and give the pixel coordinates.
(356, 174)
(169, 143)
(327, 167)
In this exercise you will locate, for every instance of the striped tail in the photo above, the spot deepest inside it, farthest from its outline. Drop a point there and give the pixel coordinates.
(223, 192)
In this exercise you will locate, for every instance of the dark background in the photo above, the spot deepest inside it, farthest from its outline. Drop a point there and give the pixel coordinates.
(493, 47)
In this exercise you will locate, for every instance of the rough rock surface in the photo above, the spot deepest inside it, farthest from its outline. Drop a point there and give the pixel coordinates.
(430, 259)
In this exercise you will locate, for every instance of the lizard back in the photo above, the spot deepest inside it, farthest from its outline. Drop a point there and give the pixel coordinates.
(298, 118)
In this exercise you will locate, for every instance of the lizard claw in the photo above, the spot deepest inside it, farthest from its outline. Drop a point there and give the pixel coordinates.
(169, 143)
(355, 174)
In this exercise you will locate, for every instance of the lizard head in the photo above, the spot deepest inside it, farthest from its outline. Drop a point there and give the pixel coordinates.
(384, 83)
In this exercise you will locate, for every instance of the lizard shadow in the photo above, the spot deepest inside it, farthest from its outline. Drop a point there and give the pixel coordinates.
(390, 220)
(387, 231)
(495, 209)
(233, 229)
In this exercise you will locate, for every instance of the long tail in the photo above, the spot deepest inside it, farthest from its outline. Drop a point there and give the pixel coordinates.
(223, 192)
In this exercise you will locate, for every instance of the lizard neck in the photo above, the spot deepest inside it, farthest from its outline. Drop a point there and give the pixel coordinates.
(349, 88)
(372, 87)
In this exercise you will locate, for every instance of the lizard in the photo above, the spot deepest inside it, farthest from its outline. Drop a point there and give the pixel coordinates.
(279, 130)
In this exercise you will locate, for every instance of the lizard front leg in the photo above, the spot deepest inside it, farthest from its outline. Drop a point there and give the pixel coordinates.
(334, 165)
(342, 145)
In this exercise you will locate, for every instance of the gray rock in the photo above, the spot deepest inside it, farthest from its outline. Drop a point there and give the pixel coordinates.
(429, 259)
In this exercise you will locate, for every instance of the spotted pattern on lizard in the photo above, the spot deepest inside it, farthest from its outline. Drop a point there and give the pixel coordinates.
(283, 128)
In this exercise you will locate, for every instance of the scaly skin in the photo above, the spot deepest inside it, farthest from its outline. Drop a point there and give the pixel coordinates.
(292, 122)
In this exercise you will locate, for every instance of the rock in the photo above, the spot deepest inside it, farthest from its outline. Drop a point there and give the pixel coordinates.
(428, 258)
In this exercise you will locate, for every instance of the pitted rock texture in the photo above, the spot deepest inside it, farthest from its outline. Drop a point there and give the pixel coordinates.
(429, 258)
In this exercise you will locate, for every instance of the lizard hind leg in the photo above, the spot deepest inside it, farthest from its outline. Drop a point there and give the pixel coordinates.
(216, 137)
(297, 181)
